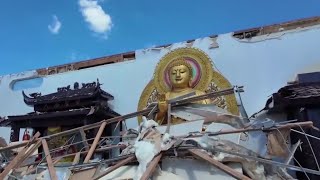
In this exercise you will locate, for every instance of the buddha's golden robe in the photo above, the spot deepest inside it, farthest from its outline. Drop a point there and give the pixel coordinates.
(161, 117)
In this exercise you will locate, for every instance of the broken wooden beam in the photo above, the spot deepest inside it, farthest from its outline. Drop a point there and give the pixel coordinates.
(116, 166)
(29, 151)
(76, 158)
(199, 154)
(19, 158)
(51, 168)
(95, 142)
(151, 167)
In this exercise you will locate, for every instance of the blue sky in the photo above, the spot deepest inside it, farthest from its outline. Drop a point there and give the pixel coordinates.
(83, 29)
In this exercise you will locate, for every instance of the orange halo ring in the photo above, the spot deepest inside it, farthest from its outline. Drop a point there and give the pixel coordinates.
(196, 72)
(199, 61)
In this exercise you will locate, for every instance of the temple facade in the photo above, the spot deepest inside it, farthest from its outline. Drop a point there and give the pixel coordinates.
(67, 108)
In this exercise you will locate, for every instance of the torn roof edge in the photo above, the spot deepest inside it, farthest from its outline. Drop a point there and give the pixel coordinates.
(127, 56)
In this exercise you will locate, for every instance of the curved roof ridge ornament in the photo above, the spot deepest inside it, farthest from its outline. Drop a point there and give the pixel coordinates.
(28, 100)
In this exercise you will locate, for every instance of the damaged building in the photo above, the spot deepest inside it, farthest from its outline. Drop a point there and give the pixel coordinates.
(177, 111)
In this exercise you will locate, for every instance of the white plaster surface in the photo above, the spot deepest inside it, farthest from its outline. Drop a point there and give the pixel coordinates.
(191, 169)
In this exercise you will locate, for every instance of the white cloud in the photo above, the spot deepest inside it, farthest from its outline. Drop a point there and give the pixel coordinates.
(55, 26)
(99, 21)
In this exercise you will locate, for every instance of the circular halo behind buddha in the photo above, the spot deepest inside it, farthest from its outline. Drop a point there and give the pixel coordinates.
(204, 78)
(199, 62)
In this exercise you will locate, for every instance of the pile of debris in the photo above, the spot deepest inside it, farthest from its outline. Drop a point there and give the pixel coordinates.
(227, 145)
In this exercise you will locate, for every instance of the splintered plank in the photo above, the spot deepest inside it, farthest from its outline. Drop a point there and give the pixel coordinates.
(112, 168)
(19, 158)
(199, 154)
(151, 167)
(52, 171)
(95, 142)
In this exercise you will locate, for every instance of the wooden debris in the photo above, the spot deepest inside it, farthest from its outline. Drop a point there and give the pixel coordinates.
(51, 169)
(95, 142)
(217, 164)
(19, 158)
(151, 167)
(112, 168)
(76, 158)
(127, 116)
(152, 136)
(83, 174)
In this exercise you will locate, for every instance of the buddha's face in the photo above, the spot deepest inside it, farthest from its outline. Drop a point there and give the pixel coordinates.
(180, 76)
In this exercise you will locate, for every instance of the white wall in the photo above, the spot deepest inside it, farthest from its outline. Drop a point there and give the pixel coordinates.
(262, 65)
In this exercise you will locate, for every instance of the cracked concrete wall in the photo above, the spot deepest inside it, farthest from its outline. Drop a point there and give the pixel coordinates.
(261, 66)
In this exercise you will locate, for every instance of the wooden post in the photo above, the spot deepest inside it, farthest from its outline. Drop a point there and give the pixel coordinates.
(15, 133)
(95, 142)
(169, 119)
(218, 164)
(51, 169)
(151, 167)
(112, 168)
(84, 139)
(76, 158)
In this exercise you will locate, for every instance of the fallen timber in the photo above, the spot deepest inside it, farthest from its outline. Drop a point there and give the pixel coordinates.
(128, 116)
(196, 154)
(205, 157)
(217, 164)
(112, 168)
(287, 126)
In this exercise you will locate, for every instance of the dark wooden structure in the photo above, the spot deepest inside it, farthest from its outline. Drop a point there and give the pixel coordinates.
(68, 108)
(301, 100)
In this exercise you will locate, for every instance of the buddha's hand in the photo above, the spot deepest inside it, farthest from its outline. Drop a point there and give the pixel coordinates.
(162, 103)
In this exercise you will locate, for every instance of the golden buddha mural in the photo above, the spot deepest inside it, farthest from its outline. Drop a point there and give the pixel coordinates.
(180, 72)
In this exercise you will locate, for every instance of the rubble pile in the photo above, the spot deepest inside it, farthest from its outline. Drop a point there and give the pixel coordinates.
(231, 148)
